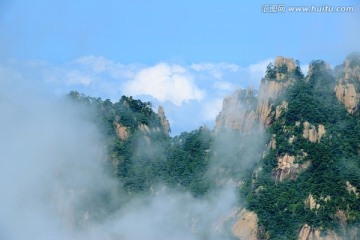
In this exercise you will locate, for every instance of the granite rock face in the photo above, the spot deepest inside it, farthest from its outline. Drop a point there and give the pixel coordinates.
(246, 226)
(238, 112)
(163, 120)
(248, 111)
(348, 83)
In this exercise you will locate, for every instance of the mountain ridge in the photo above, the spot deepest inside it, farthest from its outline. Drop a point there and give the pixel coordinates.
(291, 151)
(309, 107)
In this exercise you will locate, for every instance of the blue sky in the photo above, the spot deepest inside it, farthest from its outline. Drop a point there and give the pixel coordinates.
(184, 55)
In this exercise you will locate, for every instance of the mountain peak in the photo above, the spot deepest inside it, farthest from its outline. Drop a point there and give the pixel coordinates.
(288, 62)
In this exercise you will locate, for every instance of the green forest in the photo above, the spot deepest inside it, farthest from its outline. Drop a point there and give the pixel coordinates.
(148, 156)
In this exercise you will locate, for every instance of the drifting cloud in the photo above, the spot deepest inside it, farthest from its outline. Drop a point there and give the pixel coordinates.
(165, 82)
(96, 64)
(54, 185)
(52, 178)
(224, 85)
(101, 65)
(217, 70)
(183, 89)
(76, 77)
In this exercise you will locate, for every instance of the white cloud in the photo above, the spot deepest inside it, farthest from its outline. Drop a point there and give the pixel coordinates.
(101, 65)
(210, 66)
(165, 83)
(211, 109)
(185, 90)
(224, 85)
(97, 64)
(76, 77)
(216, 70)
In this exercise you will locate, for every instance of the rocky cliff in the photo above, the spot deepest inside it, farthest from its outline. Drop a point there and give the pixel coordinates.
(122, 132)
(271, 88)
(246, 226)
(287, 167)
(163, 120)
(246, 110)
(301, 188)
(238, 112)
(310, 233)
(311, 133)
(348, 83)
(347, 94)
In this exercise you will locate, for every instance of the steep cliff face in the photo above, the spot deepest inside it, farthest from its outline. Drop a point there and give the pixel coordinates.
(351, 189)
(163, 120)
(311, 203)
(348, 83)
(238, 112)
(308, 180)
(287, 63)
(269, 91)
(312, 134)
(310, 233)
(245, 110)
(352, 68)
(288, 167)
(280, 109)
(347, 94)
(121, 131)
(272, 88)
(246, 226)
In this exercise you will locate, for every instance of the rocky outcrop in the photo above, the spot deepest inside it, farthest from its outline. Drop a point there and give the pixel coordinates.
(281, 108)
(285, 64)
(270, 89)
(245, 111)
(291, 139)
(286, 168)
(310, 233)
(351, 69)
(246, 227)
(341, 216)
(144, 128)
(311, 203)
(351, 189)
(272, 143)
(324, 66)
(346, 93)
(238, 112)
(163, 120)
(283, 170)
(121, 131)
(347, 87)
(321, 132)
(311, 133)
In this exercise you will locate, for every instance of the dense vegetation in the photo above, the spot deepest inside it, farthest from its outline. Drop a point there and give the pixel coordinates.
(148, 156)
(334, 160)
